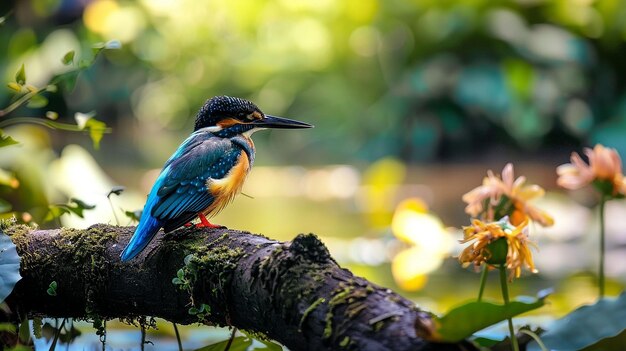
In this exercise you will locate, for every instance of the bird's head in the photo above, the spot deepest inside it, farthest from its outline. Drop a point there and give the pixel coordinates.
(230, 116)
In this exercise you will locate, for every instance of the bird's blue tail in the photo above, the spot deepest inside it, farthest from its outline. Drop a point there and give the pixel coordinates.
(145, 231)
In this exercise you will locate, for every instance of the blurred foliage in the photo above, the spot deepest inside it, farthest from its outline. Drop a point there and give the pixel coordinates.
(422, 80)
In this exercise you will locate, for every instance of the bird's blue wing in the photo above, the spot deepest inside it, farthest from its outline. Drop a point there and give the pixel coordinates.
(183, 193)
(180, 191)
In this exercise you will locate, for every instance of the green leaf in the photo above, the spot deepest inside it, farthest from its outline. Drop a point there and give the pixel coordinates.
(52, 88)
(96, 131)
(68, 58)
(55, 211)
(24, 331)
(37, 101)
(485, 342)
(586, 325)
(82, 204)
(37, 324)
(20, 76)
(52, 288)
(96, 128)
(9, 266)
(177, 281)
(187, 259)
(7, 327)
(133, 215)
(465, 320)
(74, 206)
(240, 343)
(78, 207)
(180, 274)
(6, 140)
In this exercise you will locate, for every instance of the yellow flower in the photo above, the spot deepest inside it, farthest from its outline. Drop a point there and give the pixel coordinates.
(518, 252)
(605, 164)
(482, 234)
(516, 190)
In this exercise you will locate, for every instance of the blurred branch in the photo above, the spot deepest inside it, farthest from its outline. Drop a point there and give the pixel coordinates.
(19, 102)
(293, 292)
(47, 123)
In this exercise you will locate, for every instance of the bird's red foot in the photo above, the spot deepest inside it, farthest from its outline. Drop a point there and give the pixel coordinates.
(204, 222)
(187, 225)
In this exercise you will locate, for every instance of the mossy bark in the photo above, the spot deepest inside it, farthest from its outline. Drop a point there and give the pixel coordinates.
(293, 292)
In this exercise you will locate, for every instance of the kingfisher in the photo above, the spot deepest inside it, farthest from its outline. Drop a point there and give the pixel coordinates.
(207, 170)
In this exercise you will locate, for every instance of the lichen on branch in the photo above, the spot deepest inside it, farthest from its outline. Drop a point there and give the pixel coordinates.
(293, 292)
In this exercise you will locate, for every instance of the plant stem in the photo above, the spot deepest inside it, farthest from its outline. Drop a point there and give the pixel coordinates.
(19, 102)
(505, 296)
(483, 282)
(180, 344)
(45, 123)
(143, 337)
(536, 337)
(602, 248)
(103, 337)
(118, 223)
(230, 340)
(53, 346)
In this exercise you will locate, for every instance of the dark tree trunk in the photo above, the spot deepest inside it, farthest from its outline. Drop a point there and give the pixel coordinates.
(293, 292)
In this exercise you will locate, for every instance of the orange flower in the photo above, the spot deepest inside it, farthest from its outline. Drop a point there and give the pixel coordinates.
(605, 164)
(519, 252)
(516, 190)
(482, 234)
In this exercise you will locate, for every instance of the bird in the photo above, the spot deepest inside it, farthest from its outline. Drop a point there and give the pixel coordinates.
(206, 171)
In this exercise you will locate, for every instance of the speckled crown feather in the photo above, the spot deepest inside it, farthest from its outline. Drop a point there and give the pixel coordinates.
(220, 107)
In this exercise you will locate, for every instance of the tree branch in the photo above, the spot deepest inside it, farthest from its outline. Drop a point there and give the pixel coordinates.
(293, 292)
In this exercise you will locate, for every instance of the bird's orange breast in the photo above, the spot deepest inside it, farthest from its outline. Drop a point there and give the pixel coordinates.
(225, 189)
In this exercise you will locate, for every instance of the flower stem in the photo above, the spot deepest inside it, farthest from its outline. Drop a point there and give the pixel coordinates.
(180, 344)
(602, 248)
(483, 282)
(505, 296)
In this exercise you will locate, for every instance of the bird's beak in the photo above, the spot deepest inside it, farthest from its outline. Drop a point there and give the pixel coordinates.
(280, 123)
